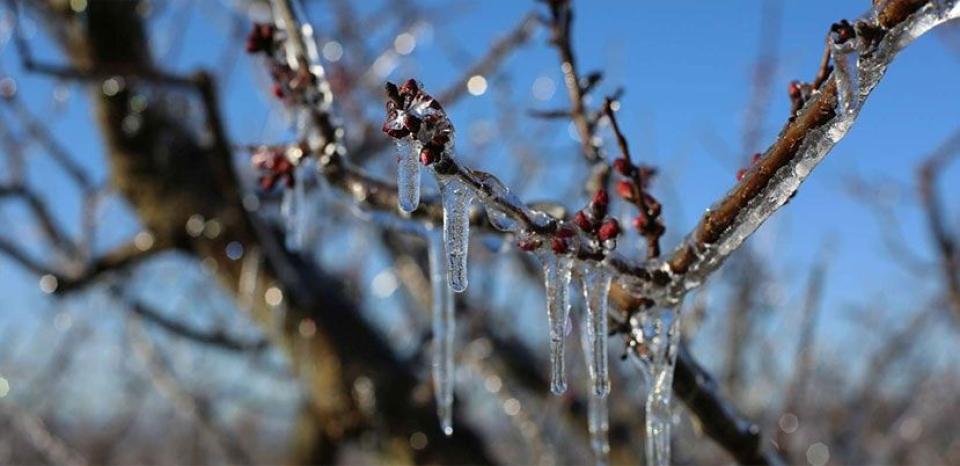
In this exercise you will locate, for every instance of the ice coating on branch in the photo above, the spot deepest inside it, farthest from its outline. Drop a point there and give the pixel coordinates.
(456, 198)
(598, 424)
(557, 274)
(443, 333)
(654, 336)
(498, 192)
(845, 74)
(408, 175)
(871, 64)
(596, 287)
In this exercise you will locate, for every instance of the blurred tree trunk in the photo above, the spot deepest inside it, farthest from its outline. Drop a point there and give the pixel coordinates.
(169, 171)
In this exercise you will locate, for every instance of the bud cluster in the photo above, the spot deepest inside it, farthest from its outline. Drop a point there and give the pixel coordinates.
(414, 114)
(276, 165)
(633, 188)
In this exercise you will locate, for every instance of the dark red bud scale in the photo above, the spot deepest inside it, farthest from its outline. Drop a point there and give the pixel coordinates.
(622, 166)
(583, 221)
(559, 245)
(396, 133)
(741, 173)
(566, 232)
(756, 157)
(411, 123)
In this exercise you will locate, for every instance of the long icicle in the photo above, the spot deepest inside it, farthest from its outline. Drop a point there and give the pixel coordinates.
(289, 210)
(655, 335)
(556, 276)
(597, 416)
(596, 287)
(456, 198)
(444, 327)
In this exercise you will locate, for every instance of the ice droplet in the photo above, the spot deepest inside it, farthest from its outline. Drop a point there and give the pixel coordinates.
(456, 198)
(444, 327)
(557, 273)
(596, 286)
(408, 174)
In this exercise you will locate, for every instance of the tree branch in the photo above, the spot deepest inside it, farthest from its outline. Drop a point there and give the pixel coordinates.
(945, 241)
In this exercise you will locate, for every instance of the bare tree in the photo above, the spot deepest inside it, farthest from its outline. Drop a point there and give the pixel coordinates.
(364, 394)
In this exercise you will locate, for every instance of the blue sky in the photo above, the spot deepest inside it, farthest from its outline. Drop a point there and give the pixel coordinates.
(686, 70)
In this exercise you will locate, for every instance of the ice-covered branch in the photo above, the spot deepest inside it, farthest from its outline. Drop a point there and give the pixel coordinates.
(825, 118)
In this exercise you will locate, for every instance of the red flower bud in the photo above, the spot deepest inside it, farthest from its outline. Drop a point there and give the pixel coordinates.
(277, 90)
(583, 221)
(757, 157)
(794, 89)
(429, 154)
(601, 199)
(625, 189)
(610, 229)
(599, 204)
(559, 245)
(640, 222)
(741, 173)
(409, 87)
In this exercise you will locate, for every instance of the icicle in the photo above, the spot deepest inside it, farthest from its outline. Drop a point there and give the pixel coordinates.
(288, 209)
(456, 199)
(443, 333)
(249, 275)
(598, 423)
(596, 287)
(557, 272)
(408, 175)
(656, 335)
(293, 207)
